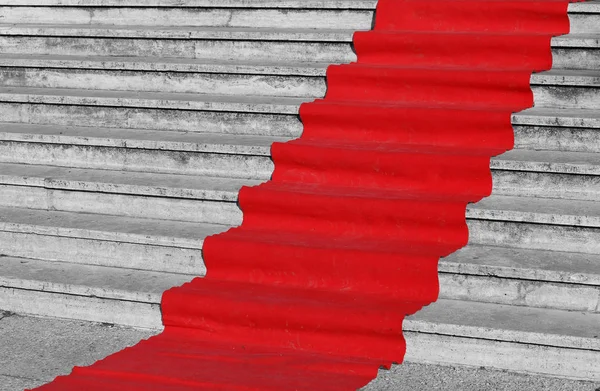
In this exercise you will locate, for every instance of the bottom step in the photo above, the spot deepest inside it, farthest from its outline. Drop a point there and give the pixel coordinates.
(534, 340)
(521, 339)
(95, 293)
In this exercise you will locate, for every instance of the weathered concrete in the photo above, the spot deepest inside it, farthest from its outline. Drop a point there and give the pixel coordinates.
(275, 125)
(542, 211)
(157, 124)
(46, 347)
(157, 64)
(35, 350)
(427, 377)
(202, 16)
(175, 82)
(301, 47)
(534, 236)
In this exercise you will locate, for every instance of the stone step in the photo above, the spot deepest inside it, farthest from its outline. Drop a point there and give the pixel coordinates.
(292, 4)
(204, 154)
(86, 292)
(214, 15)
(273, 116)
(552, 342)
(576, 51)
(246, 44)
(164, 75)
(523, 222)
(162, 100)
(535, 223)
(114, 241)
(157, 64)
(121, 193)
(554, 129)
(484, 274)
(557, 88)
(244, 114)
(549, 174)
(255, 147)
(578, 89)
(549, 341)
(522, 277)
(542, 211)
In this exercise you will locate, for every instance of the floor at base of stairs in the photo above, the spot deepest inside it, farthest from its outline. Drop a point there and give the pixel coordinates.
(35, 350)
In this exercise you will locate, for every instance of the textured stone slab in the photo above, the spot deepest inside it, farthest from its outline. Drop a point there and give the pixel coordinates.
(535, 265)
(87, 281)
(163, 64)
(107, 228)
(179, 33)
(509, 324)
(548, 161)
(171, 101)
(141, 139)
(294, 4)
(123, 182)
(537, 210)
(579, 118)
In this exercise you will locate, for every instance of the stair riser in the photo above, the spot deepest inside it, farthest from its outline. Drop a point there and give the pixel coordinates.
(567, 97)
(229, 84)
(210, 17)
(142, 160)
(329, 52)
(39, 303)
(118, 200)
(162, 208)
(542, 294)
(433, 348)
(153, 119)
(201, 83)
(584, 23)
(575, 58)
(534, 236)
(103, 252)
(557, 138)
(546, 185)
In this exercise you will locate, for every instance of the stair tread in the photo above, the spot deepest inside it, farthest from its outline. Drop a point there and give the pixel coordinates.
(540, 326)
(137, 138)
(184, 101)
(585, 7)
(179, 32)
(123, 182)
(301, 4)
(522, 263)
(87, 280)
(580, 7)
(584, 163)
(537, 210)
(574, 77)
(107, 227)
(164, 64)
(583, 40)
(557, 117)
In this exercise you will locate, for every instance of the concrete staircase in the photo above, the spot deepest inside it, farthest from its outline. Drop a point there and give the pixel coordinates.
(128, 129)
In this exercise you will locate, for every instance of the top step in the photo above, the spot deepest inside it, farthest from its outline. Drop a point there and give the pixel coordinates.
(579, 7)
(297, 4)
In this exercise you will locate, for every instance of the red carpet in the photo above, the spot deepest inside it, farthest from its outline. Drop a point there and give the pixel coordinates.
(311, 291)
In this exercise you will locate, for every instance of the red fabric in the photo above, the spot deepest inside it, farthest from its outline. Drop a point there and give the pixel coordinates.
(311, 290)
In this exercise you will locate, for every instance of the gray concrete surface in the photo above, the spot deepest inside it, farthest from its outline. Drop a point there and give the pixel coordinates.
(35, 350)
(422, 377)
